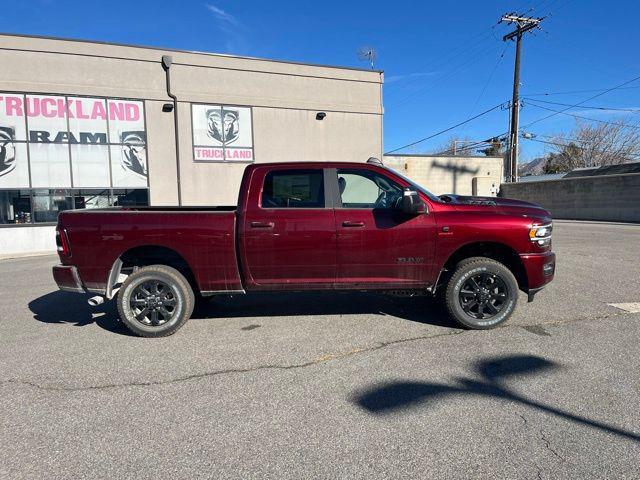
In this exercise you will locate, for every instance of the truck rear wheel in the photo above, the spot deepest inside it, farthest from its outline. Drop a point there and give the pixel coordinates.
(155, 301)
(481, 294)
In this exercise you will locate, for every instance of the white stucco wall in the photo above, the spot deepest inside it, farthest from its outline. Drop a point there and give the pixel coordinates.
(26, 240)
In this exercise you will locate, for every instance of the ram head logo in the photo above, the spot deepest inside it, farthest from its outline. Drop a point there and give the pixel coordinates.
(7, 150)
(223, 124)
(134, 151)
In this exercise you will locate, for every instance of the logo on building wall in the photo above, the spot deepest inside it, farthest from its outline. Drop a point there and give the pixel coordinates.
(134, 152)
(62, 141)
(224, 125)
(222, 133)
(7, 150)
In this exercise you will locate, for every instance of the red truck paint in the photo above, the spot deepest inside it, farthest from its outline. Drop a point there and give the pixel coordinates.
(251, 248)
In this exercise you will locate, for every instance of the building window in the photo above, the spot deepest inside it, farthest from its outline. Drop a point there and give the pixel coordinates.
(130, 198)
(15, 206)
(48, 203)
(62, 152)
(97, 198)
(59, 141)
(44, 205)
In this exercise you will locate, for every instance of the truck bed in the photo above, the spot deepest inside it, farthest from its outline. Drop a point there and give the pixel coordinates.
(202, 236)
(220, 208)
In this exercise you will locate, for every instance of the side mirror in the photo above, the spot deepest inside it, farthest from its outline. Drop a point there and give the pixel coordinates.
(412, 204)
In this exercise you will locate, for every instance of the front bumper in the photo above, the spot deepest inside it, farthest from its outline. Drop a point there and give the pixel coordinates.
(540, 269)
(67, 278)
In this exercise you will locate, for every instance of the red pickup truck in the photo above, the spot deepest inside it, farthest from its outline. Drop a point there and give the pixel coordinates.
(309, 226)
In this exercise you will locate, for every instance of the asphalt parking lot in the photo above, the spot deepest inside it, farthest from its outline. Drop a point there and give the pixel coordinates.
(330, 386)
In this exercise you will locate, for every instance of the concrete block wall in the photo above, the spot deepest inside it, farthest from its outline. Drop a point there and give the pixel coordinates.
(607, 198)
(447, 174)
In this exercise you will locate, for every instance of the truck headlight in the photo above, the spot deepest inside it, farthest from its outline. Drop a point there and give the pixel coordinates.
(541, 234)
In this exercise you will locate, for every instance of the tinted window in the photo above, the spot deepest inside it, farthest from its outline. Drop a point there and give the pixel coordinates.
(15, 206)
(48, 203)
(367, 189)
(293, 189)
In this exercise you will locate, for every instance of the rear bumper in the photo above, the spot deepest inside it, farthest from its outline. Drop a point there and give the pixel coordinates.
(67, 278)
(540, 269)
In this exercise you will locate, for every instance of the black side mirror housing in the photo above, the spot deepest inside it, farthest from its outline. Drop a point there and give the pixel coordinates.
(412, 204)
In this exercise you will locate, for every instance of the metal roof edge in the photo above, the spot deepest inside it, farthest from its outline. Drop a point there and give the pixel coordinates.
(194, 52)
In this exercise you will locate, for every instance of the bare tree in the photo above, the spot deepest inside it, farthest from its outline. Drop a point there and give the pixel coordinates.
(495, 148)
(594, 145)
(461, 147)
(455, 145)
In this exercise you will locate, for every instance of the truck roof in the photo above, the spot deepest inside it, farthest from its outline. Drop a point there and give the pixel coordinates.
(302, 165)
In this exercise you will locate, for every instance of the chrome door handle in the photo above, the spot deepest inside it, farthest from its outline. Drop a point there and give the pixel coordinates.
(352, 224)
(262, 224)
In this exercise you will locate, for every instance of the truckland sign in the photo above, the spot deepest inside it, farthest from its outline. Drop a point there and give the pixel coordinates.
(222, 133)
(51, 141)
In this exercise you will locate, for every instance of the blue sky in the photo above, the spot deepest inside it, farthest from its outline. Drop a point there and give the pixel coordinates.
(444, 61)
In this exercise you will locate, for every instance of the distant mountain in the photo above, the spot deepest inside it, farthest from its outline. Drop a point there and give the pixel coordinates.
(534, 167)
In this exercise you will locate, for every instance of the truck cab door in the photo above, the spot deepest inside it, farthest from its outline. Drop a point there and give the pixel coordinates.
(377, 245)
(287, 231)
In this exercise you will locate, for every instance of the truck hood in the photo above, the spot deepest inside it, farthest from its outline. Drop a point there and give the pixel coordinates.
(509, 206)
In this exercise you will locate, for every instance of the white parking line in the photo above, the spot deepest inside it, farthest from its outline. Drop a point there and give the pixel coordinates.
(627, 307)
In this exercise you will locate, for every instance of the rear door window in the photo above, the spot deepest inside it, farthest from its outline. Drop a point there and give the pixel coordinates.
(293, 189)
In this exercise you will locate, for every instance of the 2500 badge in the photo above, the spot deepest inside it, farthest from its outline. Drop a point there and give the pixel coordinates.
(410, 259)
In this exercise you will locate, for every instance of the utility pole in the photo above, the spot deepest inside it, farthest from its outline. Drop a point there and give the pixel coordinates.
(524, 24)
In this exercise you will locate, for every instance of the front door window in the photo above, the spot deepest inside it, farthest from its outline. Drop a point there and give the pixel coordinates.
(367, 189)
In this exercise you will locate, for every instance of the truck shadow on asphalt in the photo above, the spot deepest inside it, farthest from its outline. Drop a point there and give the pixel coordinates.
(67, 308)
(493, 373)
(281, 304)
(72, 309)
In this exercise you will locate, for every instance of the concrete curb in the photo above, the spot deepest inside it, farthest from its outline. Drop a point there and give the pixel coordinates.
(10, 256)
(595, 222)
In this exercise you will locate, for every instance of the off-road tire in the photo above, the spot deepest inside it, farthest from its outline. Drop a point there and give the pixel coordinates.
(180, 290)
(468, 268)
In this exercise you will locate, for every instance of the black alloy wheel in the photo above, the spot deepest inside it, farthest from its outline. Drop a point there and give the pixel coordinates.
(155, 301)
(482, 293)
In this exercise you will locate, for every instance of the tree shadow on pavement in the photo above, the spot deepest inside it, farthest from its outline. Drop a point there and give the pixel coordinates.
(67, 308)
(394, 396)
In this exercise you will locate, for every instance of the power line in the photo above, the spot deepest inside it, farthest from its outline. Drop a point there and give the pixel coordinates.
(446, 129)
(464, 148)
(583, 101)
(556, 144)
(564, 112)
(531, 135)
(571, 92)
(484, 88)
(475, 144)
(634, 110)
(590, 143)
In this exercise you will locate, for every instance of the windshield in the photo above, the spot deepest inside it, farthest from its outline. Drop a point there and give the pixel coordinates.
(419, 188)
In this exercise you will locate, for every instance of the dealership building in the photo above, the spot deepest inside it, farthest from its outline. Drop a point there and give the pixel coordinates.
(88, 124)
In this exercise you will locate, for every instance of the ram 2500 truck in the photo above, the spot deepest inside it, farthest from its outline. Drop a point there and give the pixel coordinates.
(309, 226)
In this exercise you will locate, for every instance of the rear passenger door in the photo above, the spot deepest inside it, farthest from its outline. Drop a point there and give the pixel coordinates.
(287, 237)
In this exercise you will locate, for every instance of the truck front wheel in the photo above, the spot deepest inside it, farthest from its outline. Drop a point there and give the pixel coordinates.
(155, 301)
(481, 294)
